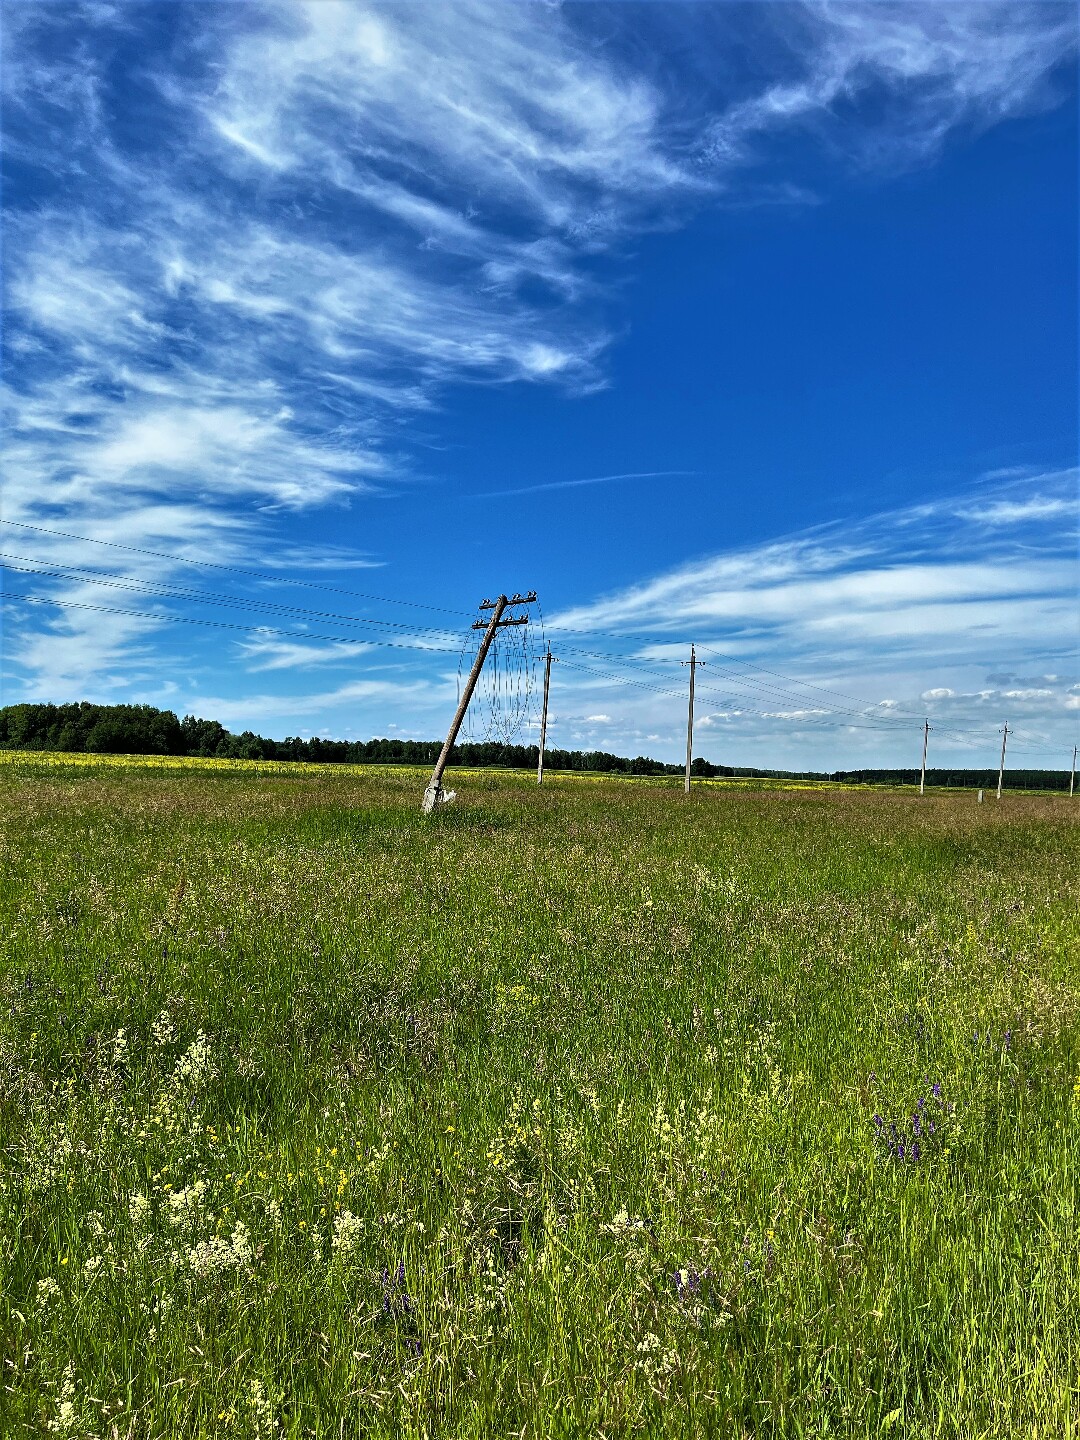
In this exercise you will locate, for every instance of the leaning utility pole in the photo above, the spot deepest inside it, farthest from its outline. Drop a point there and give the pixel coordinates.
(434, 795)
(925, 738)
(1001, 767)
(693, 662)
(543, 717)
(1072, 777)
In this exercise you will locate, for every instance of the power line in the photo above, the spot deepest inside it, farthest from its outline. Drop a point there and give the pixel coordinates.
(169, 591)
(163, 618)
(232, 569)
(830, 715)
(826, 720)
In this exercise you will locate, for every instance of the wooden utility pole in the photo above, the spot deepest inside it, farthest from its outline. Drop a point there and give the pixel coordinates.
(434, 795)
(543, 717)
(693, 662)
(925, 738)
(1001, 767)
(1072, 777)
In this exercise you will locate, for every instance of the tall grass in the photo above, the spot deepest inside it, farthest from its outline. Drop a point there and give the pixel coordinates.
(587, 1110)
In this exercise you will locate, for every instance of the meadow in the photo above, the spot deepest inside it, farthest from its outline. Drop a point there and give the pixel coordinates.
(588, 1110)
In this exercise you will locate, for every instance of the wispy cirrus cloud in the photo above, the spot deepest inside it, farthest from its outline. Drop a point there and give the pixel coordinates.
(930, 70)
(843, 630)
(323, 215)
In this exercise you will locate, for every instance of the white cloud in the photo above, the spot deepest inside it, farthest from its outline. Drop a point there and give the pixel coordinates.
(356, 206)
(827, 617)
(284, 655)
(928, 67)
(1016, 512)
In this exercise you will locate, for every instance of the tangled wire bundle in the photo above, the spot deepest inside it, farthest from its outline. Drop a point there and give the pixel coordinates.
(502, 702)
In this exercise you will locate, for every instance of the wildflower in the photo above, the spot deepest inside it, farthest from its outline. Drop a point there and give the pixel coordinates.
(120, 1050)
(163, 1030)
(347, 1231)
(67, 1416)
(262, 1410)
(196, 1064)
(687, 1282)
(186, 1206)
(46, 1291)
(139, 1210)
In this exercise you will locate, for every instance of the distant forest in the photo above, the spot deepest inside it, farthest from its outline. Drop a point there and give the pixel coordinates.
(145, 730)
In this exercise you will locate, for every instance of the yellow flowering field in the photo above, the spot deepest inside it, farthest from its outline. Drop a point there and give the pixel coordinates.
(586, 1110)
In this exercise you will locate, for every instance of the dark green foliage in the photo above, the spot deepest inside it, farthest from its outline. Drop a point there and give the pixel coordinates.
(99, 729)
(144, 730)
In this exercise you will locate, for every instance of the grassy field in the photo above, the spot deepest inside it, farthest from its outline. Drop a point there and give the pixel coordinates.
(588, 1111)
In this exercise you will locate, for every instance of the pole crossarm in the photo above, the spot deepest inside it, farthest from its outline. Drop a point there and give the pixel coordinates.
(501, 624)
(513, 600)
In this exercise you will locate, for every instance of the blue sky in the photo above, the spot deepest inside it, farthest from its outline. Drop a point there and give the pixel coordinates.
(753, 325)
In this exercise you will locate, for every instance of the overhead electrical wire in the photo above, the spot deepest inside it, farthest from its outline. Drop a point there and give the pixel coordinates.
(225, 624)
(830, 715)
(169, 591)
(232, 569)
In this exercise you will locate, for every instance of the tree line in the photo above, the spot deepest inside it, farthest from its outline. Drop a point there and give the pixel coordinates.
(145, 730)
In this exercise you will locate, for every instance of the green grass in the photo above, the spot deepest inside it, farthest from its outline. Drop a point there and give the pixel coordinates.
(550, 1116)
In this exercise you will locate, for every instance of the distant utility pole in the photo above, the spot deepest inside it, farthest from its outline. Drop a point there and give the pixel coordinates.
(693, 662)
(543, 717)
(925, 738)
(1001, 767)
(1072, 777)
(434, 795)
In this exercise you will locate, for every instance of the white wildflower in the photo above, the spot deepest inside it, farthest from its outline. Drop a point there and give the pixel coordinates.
(622, 1223)
(120, 1049)
(242, 1248)
(196, 1064)
(95, 1225)
(186, 1207)
(66, 1421)
(273, 1212)
(348, 1229)
(653, 1359)
(139, 1210)
(262, 1411)
(218, 1255)
(163, 1030)
(47, 1291)
(93, 1265)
